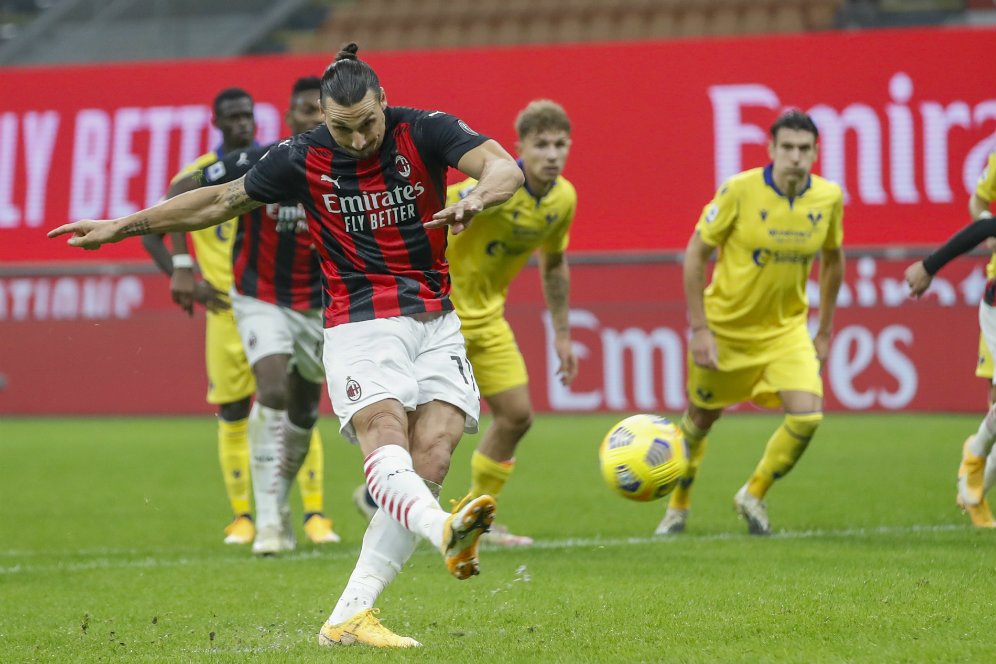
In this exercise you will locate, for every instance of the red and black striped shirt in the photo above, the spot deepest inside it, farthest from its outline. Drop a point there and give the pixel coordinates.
(366, 216)
(272, 261)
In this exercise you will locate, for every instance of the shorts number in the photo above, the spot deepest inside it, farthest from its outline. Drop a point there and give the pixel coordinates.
(463, 374)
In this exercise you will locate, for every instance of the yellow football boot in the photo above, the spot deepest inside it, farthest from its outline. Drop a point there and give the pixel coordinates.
(971, 473)
(462, 532)
(363, 629)
(241, 530)
(318, 529)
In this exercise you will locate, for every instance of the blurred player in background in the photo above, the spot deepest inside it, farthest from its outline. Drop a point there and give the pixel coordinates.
(750, 340)
(484, 260)
(975, 474)
(372, 181)
(230, 380)
(277, 302)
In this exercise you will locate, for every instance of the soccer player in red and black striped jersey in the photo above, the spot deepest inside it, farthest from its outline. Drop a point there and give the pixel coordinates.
(372, 182)
(277, 303)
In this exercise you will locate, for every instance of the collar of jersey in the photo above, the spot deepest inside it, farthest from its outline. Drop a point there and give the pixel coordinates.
(221, 155)
(769, 179)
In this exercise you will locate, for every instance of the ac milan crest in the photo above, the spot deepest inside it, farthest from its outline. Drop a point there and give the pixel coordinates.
(353, 391)
(403, 166)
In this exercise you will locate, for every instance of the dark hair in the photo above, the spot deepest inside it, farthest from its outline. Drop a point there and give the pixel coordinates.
(794, 119)
(229, 94)
(306, 83)
(542, 115)
(347, 80)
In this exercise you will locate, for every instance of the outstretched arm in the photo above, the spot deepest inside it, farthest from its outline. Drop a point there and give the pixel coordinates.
(498, 177)
(203, 207)
(920, 274)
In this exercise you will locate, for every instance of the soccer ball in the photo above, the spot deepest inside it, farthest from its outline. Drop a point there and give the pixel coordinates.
(643, 457)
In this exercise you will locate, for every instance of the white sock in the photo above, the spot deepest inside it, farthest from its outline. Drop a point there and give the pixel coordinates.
(989, 478)
(387, 546)
(265, 433)
(296, 442)
(982, 443)
(400, 492)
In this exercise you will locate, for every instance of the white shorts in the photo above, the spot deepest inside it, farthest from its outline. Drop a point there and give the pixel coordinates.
(267, 329)
(987, 323)
(400, 358)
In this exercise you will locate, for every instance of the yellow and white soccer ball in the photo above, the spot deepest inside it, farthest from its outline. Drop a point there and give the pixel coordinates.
(643, 457)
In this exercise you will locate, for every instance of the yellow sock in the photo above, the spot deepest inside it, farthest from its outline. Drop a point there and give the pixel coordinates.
(488, 476)
(784, 448)
(312, 475)
(681, 499)
(233, 453)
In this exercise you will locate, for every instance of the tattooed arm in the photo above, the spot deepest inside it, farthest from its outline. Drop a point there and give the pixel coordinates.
(200, 208)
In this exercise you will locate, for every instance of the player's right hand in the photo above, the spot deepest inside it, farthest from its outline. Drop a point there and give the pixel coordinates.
(181, 288)
(703, 347)
(88, 233)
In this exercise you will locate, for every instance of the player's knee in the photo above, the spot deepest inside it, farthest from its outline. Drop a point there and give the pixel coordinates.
(803, 426)
(303, 415)
(272, 394)
(383, 426)
(516, 421)
(235, 411)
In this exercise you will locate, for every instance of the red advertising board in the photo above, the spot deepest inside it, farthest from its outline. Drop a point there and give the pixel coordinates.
(114, 343)
(905, 127)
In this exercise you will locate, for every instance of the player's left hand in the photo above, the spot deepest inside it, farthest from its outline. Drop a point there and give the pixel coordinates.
(458, 215)
(88, 233)
(917, 279)
(568, 369)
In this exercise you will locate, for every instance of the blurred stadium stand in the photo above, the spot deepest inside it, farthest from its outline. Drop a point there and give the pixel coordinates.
(51, 31)
(127, 30)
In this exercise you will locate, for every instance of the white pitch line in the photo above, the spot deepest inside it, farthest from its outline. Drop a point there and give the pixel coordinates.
(103, 562)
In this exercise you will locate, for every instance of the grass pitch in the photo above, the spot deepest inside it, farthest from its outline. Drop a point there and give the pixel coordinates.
(110, 550)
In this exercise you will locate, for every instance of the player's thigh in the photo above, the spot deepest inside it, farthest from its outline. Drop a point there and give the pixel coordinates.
(229, 377)
(443, 372)
(263, 327)
(790, 366)
(496, 358)
(368, 362)
(715, 389)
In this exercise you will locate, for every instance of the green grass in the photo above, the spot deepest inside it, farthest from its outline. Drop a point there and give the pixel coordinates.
(110, 550)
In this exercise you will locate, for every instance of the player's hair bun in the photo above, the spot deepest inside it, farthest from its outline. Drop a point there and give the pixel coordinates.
(347, 52)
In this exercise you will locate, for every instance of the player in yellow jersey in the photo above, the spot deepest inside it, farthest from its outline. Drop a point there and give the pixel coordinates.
(230, 380)
(749, 336)
(484, 259)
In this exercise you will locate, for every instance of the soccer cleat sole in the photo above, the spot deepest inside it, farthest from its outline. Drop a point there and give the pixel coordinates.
(461, 549)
